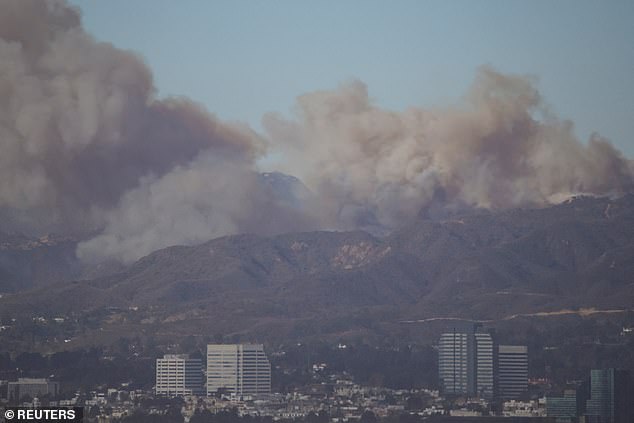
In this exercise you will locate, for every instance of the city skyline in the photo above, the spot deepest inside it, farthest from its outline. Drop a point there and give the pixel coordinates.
(473, 362)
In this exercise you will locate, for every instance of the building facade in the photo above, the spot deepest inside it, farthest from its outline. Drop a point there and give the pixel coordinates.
(611, 397)
(512, 364)
(453, 362)
(471, 363)
(466, 362)
(484, 365)
(31, 388)
(178, 375)
(564, 408)
(239, 369)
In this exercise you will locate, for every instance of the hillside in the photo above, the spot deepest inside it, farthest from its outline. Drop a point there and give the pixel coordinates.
(478, 265)
(27, 263)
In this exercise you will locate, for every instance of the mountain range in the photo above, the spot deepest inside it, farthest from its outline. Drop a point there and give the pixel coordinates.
(485, 265)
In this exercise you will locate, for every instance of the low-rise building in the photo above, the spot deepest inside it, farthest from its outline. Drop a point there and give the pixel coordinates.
(30, 387)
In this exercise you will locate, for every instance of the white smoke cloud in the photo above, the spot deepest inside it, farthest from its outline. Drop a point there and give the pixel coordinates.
(207, 198)
(492, 153)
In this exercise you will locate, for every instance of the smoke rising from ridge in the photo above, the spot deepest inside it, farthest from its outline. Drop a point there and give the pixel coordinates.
(492, 153)
(86, 147)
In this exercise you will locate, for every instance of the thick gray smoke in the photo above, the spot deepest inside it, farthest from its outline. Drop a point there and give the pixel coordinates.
(86, 147)
(80, 124)
(369, 165)
(205, 199)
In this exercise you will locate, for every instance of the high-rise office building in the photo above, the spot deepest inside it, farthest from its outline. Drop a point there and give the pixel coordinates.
(611, 397)
(239, 369)
(471, 363)
(512, 371)
(177, 374)
(453, 362)
(563, 408)
(466, 362)
(484, 364)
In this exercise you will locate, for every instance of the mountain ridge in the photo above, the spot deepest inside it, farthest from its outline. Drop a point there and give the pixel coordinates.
(475, 265)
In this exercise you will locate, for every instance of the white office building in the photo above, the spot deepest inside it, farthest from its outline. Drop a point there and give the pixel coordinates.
(484, 365)
(466, 362)
(239, 369)
(178, 375)
(453, 362)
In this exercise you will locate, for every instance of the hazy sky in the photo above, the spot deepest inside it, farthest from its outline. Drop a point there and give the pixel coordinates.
(245, 58)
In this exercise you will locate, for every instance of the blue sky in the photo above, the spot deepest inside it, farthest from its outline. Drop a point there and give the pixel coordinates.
(242, 58)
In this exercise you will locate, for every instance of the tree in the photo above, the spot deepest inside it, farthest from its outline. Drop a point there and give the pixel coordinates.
(414, 403)
(6, 320)
(188, 344)
(173, 415)
(368, 417)
(94, 411)
(30, 361)
(323, 417)
(204, 416)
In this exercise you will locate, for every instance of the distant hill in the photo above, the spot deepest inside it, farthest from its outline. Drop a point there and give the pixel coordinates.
(32, 262)
(286, 188)
(479, 265)
(27, 263)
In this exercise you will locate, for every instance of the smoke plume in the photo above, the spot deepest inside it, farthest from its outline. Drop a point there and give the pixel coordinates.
(501, 149)
(86, 147)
